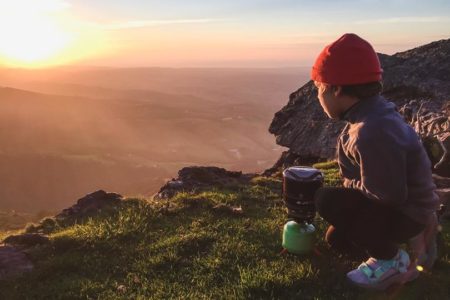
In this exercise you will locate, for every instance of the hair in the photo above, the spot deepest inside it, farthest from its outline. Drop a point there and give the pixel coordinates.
(364, 90)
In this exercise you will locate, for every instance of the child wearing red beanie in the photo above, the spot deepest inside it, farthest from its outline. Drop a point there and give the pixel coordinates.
(388, 195)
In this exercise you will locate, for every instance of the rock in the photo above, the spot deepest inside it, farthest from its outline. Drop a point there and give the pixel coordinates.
(443, 166)
(412, 79)
(441, 182)
(26, 240)
(286, 160)
(198, 178)
(45, 226)
(13, 262)
(89, 205)
(434, 129)
(303, 127)
(207, 175)
(444, 195)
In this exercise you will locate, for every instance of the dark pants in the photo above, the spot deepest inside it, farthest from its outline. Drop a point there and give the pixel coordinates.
(360, 223)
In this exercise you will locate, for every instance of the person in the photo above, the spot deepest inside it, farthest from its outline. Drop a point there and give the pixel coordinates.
(388, 196)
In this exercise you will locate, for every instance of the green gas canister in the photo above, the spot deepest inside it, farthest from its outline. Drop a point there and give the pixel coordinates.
(298, 238)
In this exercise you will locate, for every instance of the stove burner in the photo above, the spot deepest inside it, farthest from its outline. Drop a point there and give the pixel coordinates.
(299, 186)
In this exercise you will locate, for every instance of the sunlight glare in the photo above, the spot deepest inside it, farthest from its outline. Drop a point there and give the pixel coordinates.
(30, 32)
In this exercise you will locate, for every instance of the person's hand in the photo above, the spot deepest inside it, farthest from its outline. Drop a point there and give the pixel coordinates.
(350, 183)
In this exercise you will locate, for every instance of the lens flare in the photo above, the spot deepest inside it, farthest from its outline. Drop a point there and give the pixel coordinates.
(31, 32)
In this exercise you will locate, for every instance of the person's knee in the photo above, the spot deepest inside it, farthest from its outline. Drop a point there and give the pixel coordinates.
(334, 239)
(340, 242)
(330, 235)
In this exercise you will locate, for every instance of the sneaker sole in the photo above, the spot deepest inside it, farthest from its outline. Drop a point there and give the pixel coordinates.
(400, 278)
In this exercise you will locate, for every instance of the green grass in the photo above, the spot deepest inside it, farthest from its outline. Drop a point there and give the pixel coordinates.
(331, 172)
(196, 246)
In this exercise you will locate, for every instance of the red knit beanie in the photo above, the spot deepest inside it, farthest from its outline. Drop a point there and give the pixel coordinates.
(349, 60)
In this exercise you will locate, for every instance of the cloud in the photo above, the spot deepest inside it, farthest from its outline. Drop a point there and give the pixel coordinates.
(404, 20)
(149, 23)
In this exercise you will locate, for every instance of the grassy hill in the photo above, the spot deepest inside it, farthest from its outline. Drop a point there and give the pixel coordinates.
(217, 244)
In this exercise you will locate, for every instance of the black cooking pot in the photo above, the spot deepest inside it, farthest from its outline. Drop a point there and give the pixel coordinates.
(299, 186)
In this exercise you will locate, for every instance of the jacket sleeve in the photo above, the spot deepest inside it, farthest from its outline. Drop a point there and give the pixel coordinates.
(383, 170)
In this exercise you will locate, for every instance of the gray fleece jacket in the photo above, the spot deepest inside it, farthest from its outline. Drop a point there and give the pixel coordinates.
(381, 155)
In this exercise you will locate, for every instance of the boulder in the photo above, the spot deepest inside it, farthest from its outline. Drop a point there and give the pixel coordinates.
(444, 195)
(89, 205)
(441, 182)
(198, 178)
(434, 129)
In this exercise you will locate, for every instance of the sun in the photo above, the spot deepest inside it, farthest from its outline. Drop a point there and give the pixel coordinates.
(31, 34)
(32, 41)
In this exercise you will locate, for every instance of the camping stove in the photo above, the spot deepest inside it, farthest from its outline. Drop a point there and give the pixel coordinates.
(299, 186)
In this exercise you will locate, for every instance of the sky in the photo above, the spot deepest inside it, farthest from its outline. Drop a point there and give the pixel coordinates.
(207, 33)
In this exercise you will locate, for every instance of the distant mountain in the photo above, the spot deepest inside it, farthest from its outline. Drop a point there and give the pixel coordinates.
(270, 85)
(118, 130)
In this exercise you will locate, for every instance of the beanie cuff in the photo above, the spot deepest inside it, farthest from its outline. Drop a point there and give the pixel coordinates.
(345, 79)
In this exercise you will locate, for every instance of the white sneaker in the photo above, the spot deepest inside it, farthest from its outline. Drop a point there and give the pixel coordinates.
(379, 274)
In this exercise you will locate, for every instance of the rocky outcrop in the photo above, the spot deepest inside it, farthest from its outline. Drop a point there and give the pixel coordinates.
(443, 191)
(434, 129)
(194, 179)
(303, 127)
(417, 78)
(287, 159)
(89, 205)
